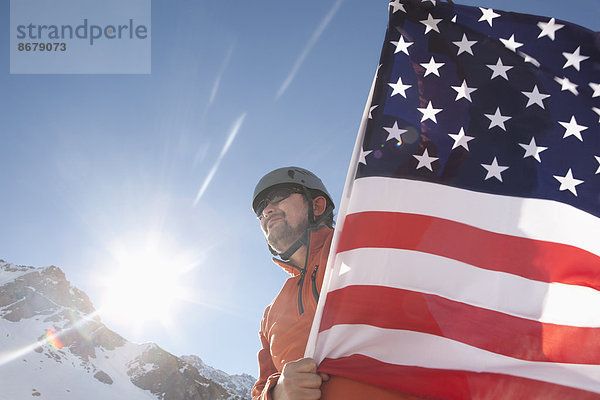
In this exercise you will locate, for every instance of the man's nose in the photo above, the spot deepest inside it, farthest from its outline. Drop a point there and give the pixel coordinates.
(269, 209)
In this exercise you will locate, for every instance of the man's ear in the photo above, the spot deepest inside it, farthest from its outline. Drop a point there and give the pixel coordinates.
(319, 205)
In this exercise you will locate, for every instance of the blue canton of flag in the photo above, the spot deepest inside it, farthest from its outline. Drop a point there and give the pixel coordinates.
(489, 101)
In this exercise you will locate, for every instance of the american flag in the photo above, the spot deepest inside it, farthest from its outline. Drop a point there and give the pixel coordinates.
(466, 260)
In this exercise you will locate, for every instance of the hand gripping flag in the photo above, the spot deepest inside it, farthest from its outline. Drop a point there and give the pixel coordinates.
(466, 260)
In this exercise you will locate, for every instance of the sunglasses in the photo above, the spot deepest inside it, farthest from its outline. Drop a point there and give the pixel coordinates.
(274, 197)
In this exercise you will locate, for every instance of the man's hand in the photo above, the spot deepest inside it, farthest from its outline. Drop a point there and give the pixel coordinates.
(299, 380)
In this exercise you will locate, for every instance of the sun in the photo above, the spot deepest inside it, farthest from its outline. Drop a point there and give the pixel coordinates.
(145, 283)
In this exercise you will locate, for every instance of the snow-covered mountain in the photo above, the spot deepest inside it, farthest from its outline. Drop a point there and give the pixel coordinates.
(237, 384)
(53, 346)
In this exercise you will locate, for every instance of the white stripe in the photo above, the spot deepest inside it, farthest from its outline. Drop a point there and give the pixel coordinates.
(555, 303)
(430, 351)
(533, 218)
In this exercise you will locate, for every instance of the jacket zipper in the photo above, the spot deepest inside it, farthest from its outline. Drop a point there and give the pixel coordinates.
(300, 284)
(302, 275)
(313, 278)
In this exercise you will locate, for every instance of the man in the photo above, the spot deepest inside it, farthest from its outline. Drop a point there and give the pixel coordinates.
(296, 216)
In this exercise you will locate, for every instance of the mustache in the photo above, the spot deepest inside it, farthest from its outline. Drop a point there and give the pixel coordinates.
(280, 214)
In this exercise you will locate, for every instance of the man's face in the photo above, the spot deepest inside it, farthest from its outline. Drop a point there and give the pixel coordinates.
(285, 221)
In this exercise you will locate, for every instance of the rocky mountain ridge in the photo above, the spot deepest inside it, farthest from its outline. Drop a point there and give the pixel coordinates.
(53, 345)
(237, 384)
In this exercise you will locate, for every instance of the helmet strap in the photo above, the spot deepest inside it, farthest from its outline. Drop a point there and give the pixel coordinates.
(302, 241)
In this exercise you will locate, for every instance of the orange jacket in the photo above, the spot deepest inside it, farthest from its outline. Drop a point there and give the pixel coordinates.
(287, 320)
(286, 324)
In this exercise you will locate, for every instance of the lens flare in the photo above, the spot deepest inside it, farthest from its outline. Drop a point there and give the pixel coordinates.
(53, 339)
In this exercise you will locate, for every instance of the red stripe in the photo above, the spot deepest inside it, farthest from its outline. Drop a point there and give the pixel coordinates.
(447, 384)
(529, 258)
(500, 333)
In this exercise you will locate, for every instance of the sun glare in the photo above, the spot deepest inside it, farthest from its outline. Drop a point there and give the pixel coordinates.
(145, 283)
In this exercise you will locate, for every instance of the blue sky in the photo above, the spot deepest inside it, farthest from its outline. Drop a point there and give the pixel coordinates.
(97, 165)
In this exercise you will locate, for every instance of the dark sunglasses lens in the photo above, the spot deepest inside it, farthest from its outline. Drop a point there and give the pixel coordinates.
(277, 197)
(260, 208)
(274, 197)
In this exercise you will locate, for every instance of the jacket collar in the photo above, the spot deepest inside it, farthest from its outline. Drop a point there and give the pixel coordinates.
(317, 239)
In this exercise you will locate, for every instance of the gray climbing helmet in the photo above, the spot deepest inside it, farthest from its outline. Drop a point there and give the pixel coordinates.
(289, 175)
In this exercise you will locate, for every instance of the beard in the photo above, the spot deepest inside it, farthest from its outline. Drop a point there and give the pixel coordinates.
(281, 236)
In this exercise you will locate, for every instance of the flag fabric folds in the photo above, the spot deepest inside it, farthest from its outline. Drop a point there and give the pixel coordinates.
(466, 260)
